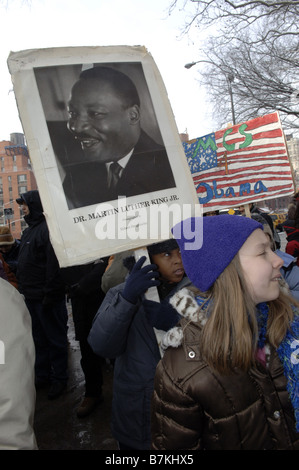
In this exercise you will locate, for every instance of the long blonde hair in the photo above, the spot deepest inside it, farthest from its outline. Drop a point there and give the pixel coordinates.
(229, 337)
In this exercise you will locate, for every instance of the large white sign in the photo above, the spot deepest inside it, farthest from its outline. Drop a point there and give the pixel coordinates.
(83, 109)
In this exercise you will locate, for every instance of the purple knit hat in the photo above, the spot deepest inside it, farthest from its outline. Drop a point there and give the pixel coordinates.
(222, 238)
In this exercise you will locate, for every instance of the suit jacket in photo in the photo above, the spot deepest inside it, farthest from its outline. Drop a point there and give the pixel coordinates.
(148, 170)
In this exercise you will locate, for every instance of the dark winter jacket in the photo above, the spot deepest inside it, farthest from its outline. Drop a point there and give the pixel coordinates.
(196, 408)
(122, 330)
(38, 271)
(84, 289)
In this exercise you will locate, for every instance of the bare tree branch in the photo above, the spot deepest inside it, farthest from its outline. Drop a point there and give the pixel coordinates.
(232, 17)
(256, 42)
(264, 81)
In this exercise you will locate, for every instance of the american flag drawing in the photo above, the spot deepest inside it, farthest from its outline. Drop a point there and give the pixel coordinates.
(245, 163)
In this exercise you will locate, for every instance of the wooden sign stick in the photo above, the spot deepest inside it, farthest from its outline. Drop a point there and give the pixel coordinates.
(247, 211)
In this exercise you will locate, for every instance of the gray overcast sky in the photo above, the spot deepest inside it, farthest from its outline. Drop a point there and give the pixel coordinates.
(57, 23)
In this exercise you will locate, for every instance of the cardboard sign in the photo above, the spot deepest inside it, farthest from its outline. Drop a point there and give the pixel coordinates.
(83, 109)
(241, 164)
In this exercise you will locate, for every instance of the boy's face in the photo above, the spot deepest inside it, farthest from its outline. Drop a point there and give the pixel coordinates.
(170, 265)
(25, 208)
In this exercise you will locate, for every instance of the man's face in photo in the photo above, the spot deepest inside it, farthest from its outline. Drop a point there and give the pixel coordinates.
(98, 118)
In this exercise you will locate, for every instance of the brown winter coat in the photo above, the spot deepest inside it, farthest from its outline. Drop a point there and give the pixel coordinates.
(195, 407)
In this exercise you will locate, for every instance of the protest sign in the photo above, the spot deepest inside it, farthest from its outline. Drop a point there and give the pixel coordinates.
(244, 163)
(82, 109)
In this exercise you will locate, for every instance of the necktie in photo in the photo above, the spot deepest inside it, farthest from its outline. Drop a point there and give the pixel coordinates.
(114, 174)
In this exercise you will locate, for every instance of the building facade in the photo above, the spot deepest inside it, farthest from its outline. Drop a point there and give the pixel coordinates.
(16, 177)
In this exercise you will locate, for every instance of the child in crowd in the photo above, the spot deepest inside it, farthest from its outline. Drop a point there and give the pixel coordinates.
(128, 327)
(229, 377)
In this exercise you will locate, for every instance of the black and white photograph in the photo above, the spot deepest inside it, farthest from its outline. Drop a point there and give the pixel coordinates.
(104, 132)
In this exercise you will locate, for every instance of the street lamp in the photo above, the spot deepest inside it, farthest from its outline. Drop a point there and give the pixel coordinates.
(188, 66)
(229, 77)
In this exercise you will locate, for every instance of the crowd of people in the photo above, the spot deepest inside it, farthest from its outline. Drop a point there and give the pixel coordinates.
(211, 362)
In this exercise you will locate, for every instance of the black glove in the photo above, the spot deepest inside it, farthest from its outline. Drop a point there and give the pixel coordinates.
(139, 280)
(161, 315)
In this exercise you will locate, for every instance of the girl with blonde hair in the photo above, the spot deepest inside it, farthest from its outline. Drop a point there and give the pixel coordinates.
(229, 378)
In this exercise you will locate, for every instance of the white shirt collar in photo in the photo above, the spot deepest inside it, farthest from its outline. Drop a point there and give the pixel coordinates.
(122, 162)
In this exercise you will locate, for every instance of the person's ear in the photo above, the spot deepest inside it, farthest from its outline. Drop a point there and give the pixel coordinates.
(134, 114)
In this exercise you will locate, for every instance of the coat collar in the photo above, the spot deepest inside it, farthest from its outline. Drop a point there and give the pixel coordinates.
(185, 303)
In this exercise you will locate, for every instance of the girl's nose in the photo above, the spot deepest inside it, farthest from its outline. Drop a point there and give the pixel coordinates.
(277, 261)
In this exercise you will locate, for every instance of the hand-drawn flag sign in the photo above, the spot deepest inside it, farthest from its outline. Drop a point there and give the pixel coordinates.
(240, 164)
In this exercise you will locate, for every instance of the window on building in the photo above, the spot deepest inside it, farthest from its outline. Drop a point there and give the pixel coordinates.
(9, 183)
(22, 189)
(22, 179)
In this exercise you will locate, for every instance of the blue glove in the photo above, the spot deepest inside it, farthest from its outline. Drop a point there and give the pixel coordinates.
(161, 315)
(139, 280)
